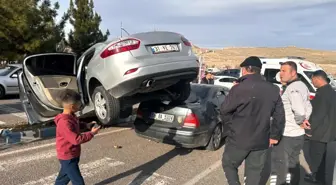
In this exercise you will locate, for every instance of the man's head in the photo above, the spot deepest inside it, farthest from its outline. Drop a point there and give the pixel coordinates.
(320, 78)
(288, 72)
(208, 75)
(71, 100)
(251, 65)
(212, 76)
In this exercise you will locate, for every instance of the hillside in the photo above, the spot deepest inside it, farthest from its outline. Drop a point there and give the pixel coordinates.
(234, 56)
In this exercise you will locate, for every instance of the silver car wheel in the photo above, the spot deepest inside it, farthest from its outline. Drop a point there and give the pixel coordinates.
(217, 137)
(100, 105)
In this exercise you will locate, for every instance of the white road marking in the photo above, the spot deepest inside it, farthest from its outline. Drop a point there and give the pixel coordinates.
(153, 179)
(12, 163)
(88, 170)
(52, 144)
(204, 173)
(13, 111)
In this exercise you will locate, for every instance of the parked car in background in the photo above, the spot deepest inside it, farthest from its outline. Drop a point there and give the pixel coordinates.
(195, 123)
(225, 81)
(110, 76)
(228, 72)
(213, 70)
(9, 79)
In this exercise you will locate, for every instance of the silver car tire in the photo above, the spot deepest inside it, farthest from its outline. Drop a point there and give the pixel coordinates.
(107, 108)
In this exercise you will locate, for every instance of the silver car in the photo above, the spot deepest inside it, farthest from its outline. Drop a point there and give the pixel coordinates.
(111, 76)
(9, 79)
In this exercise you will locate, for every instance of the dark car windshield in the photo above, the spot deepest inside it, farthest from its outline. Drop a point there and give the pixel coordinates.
(7, 70)
(198, 93)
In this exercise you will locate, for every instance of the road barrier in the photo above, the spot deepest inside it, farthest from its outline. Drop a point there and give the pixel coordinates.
(39, 133)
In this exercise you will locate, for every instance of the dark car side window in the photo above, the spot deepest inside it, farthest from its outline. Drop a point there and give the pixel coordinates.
(227, 80)
(309, 86)
(51, 65)
(270, 75)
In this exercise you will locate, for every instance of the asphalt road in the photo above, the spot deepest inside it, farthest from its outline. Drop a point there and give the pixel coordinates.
(11, 112)
(139, 161)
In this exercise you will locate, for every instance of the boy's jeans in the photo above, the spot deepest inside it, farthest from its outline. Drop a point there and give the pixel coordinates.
(69, 172)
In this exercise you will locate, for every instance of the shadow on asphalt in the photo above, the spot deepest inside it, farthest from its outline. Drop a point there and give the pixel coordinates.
(10, 108)
(146, 170)
(11, 97)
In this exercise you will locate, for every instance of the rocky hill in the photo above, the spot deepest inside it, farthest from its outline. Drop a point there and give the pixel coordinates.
(232, 57)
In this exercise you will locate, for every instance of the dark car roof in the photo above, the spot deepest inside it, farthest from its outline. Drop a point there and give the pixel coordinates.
(202, 87)
(204, 92)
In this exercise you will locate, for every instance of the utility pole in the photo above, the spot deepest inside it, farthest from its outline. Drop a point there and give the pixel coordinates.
(121, 29)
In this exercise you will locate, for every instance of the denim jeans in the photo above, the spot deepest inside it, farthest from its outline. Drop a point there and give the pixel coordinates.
(69, 172)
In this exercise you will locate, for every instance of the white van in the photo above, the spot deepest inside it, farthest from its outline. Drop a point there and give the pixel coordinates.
(305, 69)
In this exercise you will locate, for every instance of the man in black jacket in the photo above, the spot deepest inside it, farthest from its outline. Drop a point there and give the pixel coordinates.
(323, 125)
(208, 79)
(248, 110)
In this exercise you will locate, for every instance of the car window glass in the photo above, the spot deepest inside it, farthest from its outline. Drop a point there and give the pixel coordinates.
(198, 92)
(309, 85)
(270, 75)
(6, 71)
(18, 71)
(226, 80)
(51, 65)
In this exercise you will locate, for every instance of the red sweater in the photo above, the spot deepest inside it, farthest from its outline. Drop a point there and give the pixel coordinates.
(68, 136)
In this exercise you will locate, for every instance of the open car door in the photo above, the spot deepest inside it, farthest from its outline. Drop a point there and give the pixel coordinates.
(43, 78)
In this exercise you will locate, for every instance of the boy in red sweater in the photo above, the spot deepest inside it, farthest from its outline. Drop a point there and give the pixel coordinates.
(69, 139)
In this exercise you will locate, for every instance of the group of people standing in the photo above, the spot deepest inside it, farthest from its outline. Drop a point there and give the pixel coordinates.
(265, 120)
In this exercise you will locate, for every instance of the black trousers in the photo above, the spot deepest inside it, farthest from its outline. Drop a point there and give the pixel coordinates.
(317, 153)
(330, 169)
(284, 166)
(254, 164)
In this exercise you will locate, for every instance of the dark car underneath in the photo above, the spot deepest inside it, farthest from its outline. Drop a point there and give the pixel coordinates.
(194, 123)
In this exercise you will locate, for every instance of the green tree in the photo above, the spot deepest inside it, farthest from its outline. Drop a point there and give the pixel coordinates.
(85, 22)
(29, 27)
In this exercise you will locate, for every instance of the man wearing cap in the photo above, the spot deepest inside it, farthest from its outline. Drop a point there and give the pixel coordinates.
(247, 110)
(323, 128)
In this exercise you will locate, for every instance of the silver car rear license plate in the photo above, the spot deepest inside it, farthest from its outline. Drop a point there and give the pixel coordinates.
(165, 48)
(162, 117)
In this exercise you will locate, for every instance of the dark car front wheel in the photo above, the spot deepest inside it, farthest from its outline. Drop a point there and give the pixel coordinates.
(215, 139)
(107, 108)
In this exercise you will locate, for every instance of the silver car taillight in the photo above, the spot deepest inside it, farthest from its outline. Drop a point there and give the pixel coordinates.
(121, 46)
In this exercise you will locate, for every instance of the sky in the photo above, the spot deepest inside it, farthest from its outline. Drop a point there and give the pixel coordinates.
(226, 23)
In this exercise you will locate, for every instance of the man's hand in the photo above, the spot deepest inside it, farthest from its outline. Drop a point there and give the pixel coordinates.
(305, 125)
(273, 142)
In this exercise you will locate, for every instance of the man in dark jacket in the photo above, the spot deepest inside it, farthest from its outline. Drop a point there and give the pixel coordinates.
(208, 79)
(323, 125)
(248, 110)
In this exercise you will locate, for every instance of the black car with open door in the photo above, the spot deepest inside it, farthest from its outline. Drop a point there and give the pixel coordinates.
(195, 123)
